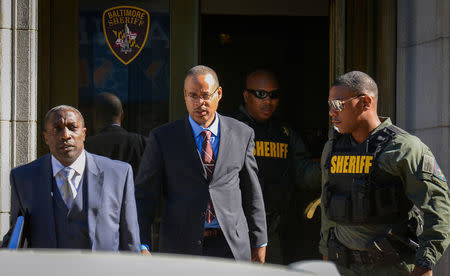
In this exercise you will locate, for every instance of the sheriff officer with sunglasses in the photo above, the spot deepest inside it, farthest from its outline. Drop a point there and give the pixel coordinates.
(385, 201)
(283, 162)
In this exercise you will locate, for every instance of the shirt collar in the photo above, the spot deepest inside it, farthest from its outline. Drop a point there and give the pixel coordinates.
(385, 122)
(197, 129)
(78, 166)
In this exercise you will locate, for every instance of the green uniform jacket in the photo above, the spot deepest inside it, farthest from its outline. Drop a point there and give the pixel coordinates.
(424, 184)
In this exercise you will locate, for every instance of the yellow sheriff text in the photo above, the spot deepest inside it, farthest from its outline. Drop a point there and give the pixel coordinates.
(270, 149)
(351, 164)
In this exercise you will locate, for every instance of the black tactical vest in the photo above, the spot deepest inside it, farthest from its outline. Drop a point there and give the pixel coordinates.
(271, 154)
(359, 191)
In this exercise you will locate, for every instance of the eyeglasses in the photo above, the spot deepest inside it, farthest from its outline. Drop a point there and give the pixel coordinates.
(262, 94)
(205, 96)
(338, 105)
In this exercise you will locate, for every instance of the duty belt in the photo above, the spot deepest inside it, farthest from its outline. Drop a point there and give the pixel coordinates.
(344, 256)
(360, 257)
(379, 250)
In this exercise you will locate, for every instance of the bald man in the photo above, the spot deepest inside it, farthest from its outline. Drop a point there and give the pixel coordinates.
(111, 140)
(284, 165)
(70, 198)
(203, 166)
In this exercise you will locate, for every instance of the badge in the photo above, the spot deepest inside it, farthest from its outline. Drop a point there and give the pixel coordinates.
(431, 166)
(428, 164)
(126, 30)
(438, 172)
(286, 131)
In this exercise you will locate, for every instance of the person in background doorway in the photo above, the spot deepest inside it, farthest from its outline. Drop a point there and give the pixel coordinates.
(111, 140)
(284, 165)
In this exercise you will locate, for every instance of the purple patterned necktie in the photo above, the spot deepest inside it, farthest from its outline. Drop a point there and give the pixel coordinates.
(208, 164)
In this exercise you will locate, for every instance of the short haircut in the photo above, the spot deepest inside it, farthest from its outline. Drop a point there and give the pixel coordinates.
(108, 106)
(358, 82)
(261, 72)
(61, 108)
(202, 70)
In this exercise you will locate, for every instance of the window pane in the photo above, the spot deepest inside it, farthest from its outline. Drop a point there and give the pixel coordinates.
(143, 84)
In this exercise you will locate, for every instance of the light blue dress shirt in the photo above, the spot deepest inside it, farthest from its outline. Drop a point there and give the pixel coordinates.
(214, 140)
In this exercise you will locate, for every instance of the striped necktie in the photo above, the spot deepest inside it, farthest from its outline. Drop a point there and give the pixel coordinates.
(208, 164)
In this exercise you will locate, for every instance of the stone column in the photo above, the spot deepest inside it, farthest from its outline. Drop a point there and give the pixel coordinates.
(423, 80)
(18, 92)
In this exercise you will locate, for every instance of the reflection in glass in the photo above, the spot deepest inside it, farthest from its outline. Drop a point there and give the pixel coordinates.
(143, 84)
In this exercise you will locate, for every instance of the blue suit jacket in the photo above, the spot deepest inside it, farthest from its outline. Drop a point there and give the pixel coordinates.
(112, 217)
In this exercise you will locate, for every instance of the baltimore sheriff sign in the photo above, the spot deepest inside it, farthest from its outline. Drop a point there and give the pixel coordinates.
(126, 31)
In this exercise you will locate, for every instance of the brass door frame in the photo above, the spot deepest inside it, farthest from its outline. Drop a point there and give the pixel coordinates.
(184, 50)
(363, 36)
(58, 59)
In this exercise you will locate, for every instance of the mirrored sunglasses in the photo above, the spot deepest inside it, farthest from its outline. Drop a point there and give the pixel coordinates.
(338, 105)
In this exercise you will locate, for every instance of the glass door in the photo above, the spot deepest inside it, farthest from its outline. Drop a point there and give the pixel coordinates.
(124, 49)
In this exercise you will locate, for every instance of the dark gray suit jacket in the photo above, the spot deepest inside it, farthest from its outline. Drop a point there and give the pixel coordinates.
(171, 166)
(118, 144)
(112, 217)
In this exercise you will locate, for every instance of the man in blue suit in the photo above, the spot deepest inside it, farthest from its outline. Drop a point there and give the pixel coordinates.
(71, 198)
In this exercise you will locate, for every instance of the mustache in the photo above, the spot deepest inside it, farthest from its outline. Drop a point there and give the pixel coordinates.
(66, 144)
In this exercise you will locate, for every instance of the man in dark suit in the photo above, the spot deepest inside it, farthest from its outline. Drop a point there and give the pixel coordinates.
(204, 167)
(71, 198)
(111, 139)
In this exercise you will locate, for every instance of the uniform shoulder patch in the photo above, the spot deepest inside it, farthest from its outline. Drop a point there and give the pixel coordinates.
(428, 164)
(438, 172)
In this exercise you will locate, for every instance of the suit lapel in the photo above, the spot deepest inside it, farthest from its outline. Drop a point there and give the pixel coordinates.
(93, 184)
(192, 150)
(44, 195)
(224, 144)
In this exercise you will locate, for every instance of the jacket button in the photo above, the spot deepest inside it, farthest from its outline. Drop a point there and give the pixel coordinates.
(199, 242)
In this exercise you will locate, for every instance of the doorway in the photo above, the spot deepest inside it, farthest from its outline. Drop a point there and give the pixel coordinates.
(296, 49)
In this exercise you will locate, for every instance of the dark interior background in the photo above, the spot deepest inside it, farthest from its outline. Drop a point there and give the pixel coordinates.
(143, 84)
(295, 48)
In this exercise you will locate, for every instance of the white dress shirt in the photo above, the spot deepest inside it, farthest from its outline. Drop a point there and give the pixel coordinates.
(75, 176)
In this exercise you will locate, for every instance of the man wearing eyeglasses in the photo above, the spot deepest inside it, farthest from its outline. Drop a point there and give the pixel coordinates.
(283, 163)
(204, 167)
(385, 201)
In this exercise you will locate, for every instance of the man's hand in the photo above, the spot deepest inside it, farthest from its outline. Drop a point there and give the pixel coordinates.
(259, 254)
(145, 252)
(420, 271)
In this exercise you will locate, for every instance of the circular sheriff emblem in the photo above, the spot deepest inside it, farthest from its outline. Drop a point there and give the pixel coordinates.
(126, 31)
